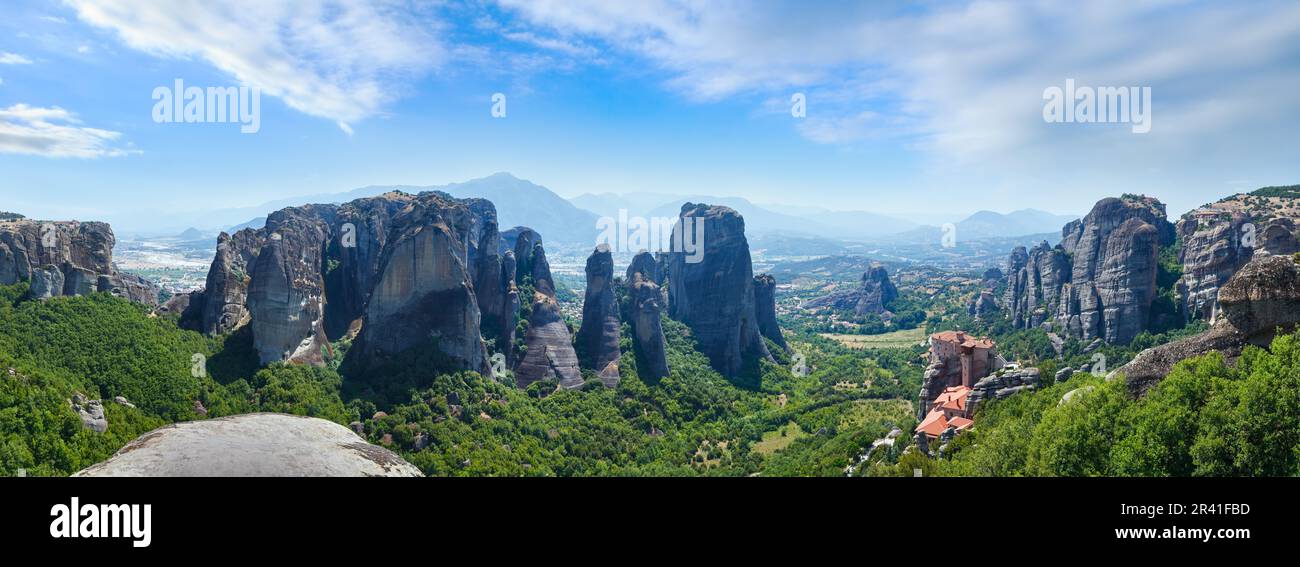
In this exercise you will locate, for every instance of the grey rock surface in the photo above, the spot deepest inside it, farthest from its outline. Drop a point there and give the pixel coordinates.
(714, 296)
(252, 445)
(597, 338)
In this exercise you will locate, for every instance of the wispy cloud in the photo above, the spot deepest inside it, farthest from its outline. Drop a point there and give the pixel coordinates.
(962, 78)
(54, 132)
(342, 60)
(7, 58)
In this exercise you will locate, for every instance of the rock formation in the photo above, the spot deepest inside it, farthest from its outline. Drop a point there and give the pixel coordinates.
(1001, 385)
(711, 289)
(1100, 281)
(983, 305)
(252, 445)
(1034, 282)
(1259, 299)
(872, 296)
(1219, 238)
(90, 411)
(395, 270)
(597, 339)
(765, 309)
(65, 259)
(646, 301)
(548, 347)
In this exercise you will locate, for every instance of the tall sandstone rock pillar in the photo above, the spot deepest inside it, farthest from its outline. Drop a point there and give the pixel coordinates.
(548, 347)
(647, 302)
(711, 288)
(597, 339)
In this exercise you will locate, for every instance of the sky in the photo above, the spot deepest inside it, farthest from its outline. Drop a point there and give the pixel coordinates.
(916, 107)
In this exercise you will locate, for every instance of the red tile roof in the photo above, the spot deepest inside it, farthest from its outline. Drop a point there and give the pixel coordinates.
(934, 424)
(953, 398)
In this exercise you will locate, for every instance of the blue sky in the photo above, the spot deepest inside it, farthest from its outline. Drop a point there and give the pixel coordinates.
(913, 107)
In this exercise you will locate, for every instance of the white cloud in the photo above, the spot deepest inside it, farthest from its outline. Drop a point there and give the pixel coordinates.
(7, 58)
(54, 132)
(341, 60)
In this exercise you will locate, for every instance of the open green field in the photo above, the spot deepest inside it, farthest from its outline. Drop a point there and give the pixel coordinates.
(896, 339)
(774, 441)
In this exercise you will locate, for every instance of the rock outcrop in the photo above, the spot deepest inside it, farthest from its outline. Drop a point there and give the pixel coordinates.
(1100, 281)
(1212, 252)
(1001, 385)
(1259, 299)
(252, 445)
(548, 347)
(90, 411)
(66, 259)
(1035, 279)
(711, 289)
(1221, 237)
(597, 339)
(646, 303)
(396, 271)
(872, 296)
(765, 309)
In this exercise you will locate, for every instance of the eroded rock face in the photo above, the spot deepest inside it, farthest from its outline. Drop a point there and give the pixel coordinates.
(1212, 252)
(90, 411)
(765, 309)
(1100, 281)
(1259, 299)
(65, 259)
(549, 353)
(597, 339)
(394, 271)
(714, 296)
(1001, 385)
(286, 292)
(983, 305)
(872, 296)
(1035, 279)
(648, 266)
(646, 304)
(252, 445)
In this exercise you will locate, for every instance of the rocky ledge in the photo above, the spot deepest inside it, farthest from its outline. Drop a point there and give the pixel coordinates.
(258, 444)
(1260, 299)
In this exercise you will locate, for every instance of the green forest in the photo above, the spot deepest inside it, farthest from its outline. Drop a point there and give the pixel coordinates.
(693, 422)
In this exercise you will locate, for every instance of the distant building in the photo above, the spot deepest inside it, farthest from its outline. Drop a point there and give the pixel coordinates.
(948, 410)
(957, 362)
(964, 357)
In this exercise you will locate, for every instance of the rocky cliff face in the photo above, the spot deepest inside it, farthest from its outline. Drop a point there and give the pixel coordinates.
(714, 296)
(1259, 299)
(646, 303)
(1219, 238)
(548, 347)
(765, 309)
(597, 339)
(394, 271)
(66, 258)
(872, 296)
(1100, 281)
(1212, 251)
(1035, 279)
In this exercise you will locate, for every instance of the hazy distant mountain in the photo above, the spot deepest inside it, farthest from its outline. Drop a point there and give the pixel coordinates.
(1016, 223)
(989, 224)
(191, 234)
(518, 202)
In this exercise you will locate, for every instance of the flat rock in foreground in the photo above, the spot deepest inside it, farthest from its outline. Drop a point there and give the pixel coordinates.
(256, 444)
